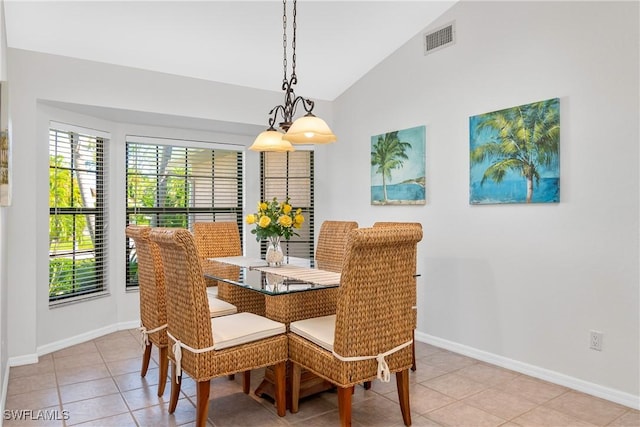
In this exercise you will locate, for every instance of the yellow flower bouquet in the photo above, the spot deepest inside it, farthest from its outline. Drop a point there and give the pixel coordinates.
(275, 219)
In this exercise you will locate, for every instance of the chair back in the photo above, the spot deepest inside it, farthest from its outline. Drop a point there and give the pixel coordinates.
(217, 239)
(153, 311)
(417, 226)
(188, 315)
(374, 311)
(331, 244)
(397, 224)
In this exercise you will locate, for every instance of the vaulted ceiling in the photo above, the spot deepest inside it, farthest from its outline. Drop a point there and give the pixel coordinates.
(236, 42)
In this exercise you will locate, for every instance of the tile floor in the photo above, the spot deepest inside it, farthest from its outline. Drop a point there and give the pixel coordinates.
(98, 383)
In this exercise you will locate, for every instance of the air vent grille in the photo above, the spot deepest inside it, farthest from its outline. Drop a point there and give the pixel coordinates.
(439, 38)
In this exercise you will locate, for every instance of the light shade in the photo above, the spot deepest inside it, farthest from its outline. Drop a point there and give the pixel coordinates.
(271, 140)
(309, 129)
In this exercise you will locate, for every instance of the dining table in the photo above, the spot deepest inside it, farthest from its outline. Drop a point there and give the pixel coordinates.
(295, 290)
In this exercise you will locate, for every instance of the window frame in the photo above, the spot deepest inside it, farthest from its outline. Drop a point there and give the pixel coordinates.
(193, 213)
(307, 211)
(99, 285)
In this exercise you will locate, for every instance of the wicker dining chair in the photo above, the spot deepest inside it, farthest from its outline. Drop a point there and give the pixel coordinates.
(153, 313)
(371, 333)
(331, 244)
(222, 239)
(418, 226)
(207, 347)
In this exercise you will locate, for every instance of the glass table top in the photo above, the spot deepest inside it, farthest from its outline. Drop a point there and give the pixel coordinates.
(295, 275)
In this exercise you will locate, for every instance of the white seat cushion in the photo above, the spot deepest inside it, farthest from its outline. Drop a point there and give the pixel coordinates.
(318, 330)
(217, 307)
(212, 290)
(241, 328)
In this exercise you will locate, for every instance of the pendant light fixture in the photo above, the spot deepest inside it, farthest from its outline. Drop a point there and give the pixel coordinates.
(307, 129)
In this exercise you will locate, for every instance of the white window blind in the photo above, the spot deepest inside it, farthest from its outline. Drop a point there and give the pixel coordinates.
(77, 213)
(290, 174)
(176, 183)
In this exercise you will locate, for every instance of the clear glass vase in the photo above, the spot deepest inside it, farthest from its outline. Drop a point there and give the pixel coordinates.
(274, 256)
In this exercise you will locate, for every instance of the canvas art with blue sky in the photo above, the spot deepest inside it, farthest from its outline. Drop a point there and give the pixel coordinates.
(515, 154)
(398, 167)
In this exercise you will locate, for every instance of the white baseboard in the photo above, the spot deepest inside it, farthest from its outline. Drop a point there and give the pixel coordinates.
(68, 342)
(613, 395)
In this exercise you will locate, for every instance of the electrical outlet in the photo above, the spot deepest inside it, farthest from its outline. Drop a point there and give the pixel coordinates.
(595, 340)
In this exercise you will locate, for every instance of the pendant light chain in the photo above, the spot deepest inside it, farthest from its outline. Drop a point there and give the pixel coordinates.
(293, 43)
(284, 40)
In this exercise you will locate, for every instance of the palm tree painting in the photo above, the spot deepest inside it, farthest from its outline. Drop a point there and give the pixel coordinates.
(398, 167)
(514, 154)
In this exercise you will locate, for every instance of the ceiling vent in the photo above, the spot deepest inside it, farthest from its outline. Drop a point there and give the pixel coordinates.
(439, 38)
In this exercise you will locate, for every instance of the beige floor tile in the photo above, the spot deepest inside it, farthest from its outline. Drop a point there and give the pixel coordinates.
(309, 407)
(630, 419)
(501, 404)
(448, 361)
(122, 420)
(87, 390)
(239, 409)
(426, 372)
(75, 350)
(487, 374)
(82, 374)
(459, 414)
(376, 411)
(587, 408)
(542, 416)
(127, 366)
(119, 351)
(331, 418)
(537, 391)
(36, 399)
(423, 399)
(31, 383)
(144, 397)
(95, 409)
(424, 349)
(43, 366)
(133, 380)
(159, 415)
(78, 360)
(455, 385)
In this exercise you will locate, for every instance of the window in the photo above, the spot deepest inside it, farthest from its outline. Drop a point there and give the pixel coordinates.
(77, 214)
(291, 174)
(176, 183)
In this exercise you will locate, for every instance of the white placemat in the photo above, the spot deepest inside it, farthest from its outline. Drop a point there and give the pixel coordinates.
(305, 274)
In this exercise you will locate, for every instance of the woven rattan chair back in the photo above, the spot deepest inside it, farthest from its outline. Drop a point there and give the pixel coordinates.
(414, 295)
(188, 315)
(331, 244)
(217, 239)
(374, 311)
(153, 310)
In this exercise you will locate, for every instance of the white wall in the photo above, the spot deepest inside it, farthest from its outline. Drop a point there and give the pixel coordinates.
(516, 284)
(46, 87)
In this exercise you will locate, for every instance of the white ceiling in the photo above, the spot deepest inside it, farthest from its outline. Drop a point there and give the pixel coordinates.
(237, 42)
